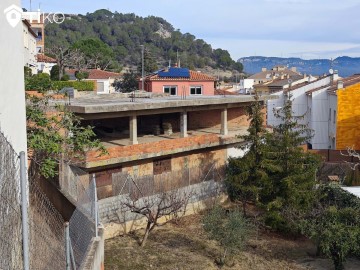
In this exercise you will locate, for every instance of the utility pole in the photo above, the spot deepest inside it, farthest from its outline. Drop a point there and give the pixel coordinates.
(142, 67)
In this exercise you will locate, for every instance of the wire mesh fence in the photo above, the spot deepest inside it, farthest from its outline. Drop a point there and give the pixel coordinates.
(46, 239)
(10, 208)
(83, 221)
(122, 182)
(46, 243)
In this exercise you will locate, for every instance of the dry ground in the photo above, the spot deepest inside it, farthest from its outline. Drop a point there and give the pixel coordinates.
(184, 246)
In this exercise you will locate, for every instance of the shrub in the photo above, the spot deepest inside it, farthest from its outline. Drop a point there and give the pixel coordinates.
(40, 82)
(66, 77)
(231, 230)
(78, 85)
(54, 73)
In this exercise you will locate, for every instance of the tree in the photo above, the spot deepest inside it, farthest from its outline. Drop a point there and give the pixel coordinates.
(56, 135)
(128, 83)
(333, 224)
(54, 73)
(97, 53)
(81, 75)
(231, 230)
(67, 57)
(40, 82)
(248, 175)
(150, 64)
(156, 202)
(292, 179)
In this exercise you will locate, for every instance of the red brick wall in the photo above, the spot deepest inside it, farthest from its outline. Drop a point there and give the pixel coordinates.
(154, 147)
(212, 118)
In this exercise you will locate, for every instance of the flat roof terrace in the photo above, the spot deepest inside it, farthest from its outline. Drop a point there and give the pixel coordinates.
(109, 104)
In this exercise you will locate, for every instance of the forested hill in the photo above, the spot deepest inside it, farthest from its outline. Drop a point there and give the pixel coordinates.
(124, 33)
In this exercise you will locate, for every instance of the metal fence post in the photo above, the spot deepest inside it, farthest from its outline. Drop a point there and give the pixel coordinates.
(95, 206)
(24, 211)
(67, 245)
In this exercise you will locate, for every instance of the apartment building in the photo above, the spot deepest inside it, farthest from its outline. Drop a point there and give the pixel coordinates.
(29, 37)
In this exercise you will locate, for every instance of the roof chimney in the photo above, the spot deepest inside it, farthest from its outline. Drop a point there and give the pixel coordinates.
(340, 84)
(263, 69)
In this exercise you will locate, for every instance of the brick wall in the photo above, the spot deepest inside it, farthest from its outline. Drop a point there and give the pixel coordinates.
(133, 152)
(212, 118)
(202, 159)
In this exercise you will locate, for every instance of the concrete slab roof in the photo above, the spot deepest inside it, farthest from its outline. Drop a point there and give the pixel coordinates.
(112, 104)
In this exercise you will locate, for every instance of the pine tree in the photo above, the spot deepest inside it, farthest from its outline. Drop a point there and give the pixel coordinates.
(293, 179)
(248, 175)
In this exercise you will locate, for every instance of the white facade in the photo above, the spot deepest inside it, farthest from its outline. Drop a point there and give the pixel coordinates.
(44, 67)
(314, 107)
(246, 85)
(29, 48)
(12, 99)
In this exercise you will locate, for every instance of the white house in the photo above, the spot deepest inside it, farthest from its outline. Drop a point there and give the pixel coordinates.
(29, 37)
(311, 100)
(104, 79)
(45, 63)
(246, 85)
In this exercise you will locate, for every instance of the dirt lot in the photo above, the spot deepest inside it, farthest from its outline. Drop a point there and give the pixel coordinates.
(184, 246)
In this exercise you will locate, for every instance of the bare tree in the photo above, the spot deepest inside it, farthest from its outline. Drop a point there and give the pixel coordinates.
(154, 202)
(67, 57)
(350, 152)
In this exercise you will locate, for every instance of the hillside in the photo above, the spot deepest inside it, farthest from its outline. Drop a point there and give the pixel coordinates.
(125, 33)
(345, 65)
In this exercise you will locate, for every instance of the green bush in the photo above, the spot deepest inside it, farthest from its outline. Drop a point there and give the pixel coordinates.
(230, 229)
(66, 77)
(80, 86)
(40, 82)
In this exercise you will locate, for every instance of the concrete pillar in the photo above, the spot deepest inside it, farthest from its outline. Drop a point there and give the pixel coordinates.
(224, 124)
(183, 125)
(133, 129)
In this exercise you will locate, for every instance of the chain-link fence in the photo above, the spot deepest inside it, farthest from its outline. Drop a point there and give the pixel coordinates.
(10, 208)
(47, 239)
(122, 182)
(83, 223)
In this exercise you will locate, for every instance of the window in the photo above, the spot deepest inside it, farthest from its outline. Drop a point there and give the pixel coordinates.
(162, 166)
(330, 114)
(195, 90)
(334, 117)
(171, 90)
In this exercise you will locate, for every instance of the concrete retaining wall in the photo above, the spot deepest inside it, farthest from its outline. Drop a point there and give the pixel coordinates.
(95, 257)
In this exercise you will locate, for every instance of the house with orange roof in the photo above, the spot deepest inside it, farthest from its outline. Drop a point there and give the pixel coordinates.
(45, 63)
(176, 81)
(104, 79)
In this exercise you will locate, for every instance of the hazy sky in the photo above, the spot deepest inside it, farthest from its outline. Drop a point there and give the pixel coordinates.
(288, 28)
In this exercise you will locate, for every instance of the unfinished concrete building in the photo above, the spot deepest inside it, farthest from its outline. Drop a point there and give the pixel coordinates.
(163, 141)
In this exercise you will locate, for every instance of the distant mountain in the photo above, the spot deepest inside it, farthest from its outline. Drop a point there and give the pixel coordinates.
(345, 65)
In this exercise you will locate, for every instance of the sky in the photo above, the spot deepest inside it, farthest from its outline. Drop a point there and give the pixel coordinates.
(309, 29)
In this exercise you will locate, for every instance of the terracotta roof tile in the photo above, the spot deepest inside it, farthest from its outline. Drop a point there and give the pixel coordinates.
(97, 74)
(45, 58)
(194, 76)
